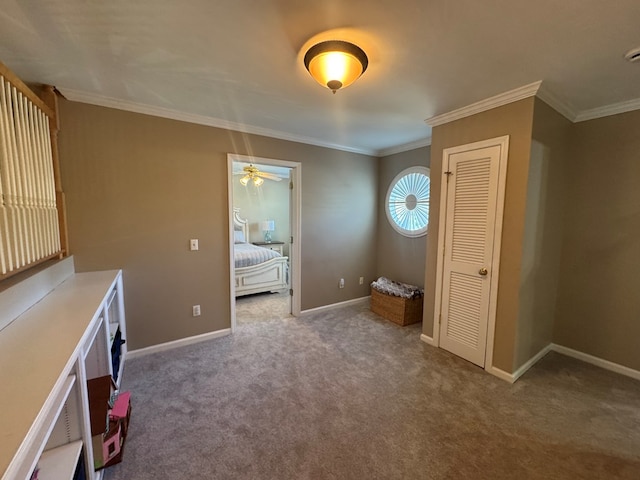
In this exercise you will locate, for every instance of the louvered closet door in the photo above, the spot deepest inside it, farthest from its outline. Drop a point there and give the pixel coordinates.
(472, 189)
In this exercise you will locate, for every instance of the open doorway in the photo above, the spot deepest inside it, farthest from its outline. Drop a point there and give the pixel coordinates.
(264, 226)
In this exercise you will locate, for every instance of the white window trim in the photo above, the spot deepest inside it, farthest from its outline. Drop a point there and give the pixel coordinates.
(403, 231)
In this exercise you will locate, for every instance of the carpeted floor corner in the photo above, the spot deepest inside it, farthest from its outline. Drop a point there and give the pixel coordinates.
(344, 394)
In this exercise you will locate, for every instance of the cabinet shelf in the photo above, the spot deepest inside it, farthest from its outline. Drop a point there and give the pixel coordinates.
(60, 463)
(65, 337)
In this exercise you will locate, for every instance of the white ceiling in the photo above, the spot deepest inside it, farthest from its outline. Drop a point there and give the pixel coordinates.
(238, 63)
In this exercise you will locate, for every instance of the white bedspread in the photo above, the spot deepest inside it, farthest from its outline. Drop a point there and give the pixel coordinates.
(247, 254)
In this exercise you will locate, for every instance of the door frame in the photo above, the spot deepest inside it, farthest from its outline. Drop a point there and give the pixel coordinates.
(295, 211)
(503, 143)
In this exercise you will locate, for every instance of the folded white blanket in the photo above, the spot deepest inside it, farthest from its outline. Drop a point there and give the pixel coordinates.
(397, 289)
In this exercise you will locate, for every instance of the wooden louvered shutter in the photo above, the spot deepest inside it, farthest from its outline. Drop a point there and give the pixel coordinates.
(469, 240)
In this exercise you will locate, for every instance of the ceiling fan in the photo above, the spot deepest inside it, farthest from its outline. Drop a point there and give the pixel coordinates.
(252, 174)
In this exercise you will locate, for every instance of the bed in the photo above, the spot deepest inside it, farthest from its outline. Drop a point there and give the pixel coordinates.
(257, 269)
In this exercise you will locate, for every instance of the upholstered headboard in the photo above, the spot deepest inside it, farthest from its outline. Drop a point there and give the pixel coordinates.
(240, 224)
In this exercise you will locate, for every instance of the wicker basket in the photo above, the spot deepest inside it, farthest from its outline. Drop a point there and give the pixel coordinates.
(403, 311)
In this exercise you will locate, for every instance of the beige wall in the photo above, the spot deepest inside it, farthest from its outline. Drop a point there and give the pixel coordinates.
(139, 187)
(399, 258)
(515, 120)
(270, 201)
(543, 229)
(598, 303)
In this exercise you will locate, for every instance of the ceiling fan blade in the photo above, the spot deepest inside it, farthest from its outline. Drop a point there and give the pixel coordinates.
(270, 176)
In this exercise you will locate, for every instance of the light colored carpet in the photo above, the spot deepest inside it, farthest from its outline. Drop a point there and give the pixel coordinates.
(262, 306)
(344, 394)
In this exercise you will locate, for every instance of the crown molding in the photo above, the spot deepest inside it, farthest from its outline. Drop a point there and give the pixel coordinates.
(544, 93)
(608, 110)
(560, 105)
(534, 89)
(126, 105)
(486, 104)
(405, 147)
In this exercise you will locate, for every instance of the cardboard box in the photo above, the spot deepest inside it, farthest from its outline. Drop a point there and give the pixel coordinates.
(100, 391)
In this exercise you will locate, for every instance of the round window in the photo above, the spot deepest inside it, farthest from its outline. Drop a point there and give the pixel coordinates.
(407, 204)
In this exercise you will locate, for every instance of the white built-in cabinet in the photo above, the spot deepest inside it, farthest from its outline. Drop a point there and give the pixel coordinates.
(47, 354)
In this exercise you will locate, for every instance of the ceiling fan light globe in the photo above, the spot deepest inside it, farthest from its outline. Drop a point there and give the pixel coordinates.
(257, 181)
(244, 180)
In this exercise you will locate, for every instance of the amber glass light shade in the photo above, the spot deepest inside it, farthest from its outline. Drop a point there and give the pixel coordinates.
(335, 64)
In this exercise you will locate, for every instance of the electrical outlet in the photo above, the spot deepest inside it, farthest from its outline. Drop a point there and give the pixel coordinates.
(193, 244)
(341, 283)
(196, 310)
(361, 280)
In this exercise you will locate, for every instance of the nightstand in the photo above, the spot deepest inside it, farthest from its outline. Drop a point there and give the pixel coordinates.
(276, 246)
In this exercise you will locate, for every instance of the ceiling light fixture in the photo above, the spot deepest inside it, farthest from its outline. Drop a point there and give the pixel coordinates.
(633, 55)
(257, 181)
(335, 64)
(252, 174)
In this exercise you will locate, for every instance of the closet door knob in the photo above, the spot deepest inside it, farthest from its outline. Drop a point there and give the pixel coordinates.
(483, 271)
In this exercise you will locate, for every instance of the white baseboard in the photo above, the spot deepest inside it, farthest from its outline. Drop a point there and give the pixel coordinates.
(347, 303)
(428, 340)
(531, 362)
(501, 374)
(585, 357)
(512, 377)
(177, 343)
(599, 362)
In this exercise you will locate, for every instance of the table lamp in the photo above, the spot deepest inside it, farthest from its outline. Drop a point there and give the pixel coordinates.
(267, 227)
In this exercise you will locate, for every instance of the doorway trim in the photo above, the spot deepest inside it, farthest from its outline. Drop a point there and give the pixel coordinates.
(503, 143)
(295, 207)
